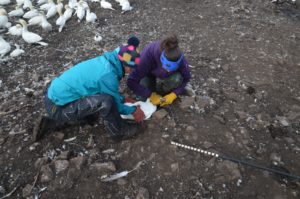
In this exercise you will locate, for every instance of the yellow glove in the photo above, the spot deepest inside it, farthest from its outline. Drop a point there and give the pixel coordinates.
(168, 99)
(155, 98)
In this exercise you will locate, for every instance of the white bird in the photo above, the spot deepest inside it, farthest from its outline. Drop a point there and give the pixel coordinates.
(125, 6)
(68, 12)
(52, 11)
(4, 47)
(37, 20)
(20, 2)
(80, 11)
(27, 4)
(90, 16)
(17, 52)
(4, 2)
(40, 2)
(45, 24)
(3, 18)
(31, 13)
(47, 6)
(72, 3)
(30, 37)
(15, 30)
(98, 38)
(18, 12)
(61, 21)
(106, 5)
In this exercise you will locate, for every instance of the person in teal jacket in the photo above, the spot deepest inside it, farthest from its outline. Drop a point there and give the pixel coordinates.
(91, 89)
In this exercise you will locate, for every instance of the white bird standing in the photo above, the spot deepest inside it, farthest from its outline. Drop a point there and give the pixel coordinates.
(20, 2)
(61, 21)
(31, 13)
(3, 18)
(90, 16)
(52, 11)
(40, 2)
(30, 37)
(80, 11)
(72, 3)
(15, 30)
(27, 4)
(4, 2)
(45, 24)
(68, 12)
(17, 52)
(37, 20)
(106, 5)
(18, 12)
(47, 6)
(4, 47)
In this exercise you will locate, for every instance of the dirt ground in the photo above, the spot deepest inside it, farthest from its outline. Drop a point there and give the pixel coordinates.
(245, 66)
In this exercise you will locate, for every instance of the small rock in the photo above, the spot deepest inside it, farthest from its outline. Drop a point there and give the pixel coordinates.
(221, 119)
(61, 165)
(174, 167)
(104, 167)
(186, 102)
(207, 145)
(39, 162)
(91, 142)
(78, 162)
(121, 182)
(46, 174)
(64, 155)
(26, 191)
(229, 170)
(160, 114)
(143, 193)
(275, 157)
(283, 121)
(241, 114)
(202, 101)
(59, 136)
(2, 190)
(190, 128)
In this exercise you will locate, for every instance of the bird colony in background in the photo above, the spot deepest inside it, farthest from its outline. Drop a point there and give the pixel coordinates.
(28, 13)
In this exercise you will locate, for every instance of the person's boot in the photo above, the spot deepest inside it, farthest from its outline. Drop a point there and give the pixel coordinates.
(43, 126)
(123, 131)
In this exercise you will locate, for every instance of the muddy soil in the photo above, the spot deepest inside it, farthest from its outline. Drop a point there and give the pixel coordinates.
(245, 66)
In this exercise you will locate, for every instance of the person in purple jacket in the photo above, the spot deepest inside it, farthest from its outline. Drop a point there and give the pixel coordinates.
(162, 74)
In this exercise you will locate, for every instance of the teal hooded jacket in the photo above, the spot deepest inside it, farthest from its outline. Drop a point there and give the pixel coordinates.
(98, 75)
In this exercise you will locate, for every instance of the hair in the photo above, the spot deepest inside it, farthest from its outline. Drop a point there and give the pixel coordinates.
(171, 48)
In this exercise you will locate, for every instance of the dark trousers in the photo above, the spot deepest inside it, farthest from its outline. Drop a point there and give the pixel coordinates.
(162, 86)
(99, 104)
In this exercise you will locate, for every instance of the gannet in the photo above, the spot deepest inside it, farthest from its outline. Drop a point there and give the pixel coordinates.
(68, 12)
(45, 24)
(72, 3)
(3, 18)
(61, 21)
(47, 6)
(40, 2)
(27, 4)
(106, 5)
(4, 2)
(30, 37)
(31, 13)
(18, 12)
(20, 2)
(80, 11)
(4, 47)
(90, 16)
(15, 30)
(125, 6)
(37, 20)
(17, 52)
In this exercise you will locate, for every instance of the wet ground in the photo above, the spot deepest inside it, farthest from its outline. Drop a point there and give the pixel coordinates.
(245, 65)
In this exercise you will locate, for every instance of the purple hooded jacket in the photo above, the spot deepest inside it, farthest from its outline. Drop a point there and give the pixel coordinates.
(151, 65)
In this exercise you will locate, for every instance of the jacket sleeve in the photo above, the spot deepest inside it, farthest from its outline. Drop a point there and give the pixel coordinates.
(141, 71)
(185, 72)
(110, 85)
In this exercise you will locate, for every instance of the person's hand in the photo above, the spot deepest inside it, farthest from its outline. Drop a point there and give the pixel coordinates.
(168, 99)
(138, 115)
(129, 100)
(155, 98)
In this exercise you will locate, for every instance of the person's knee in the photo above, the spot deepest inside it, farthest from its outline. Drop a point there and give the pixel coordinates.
(107, 104)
